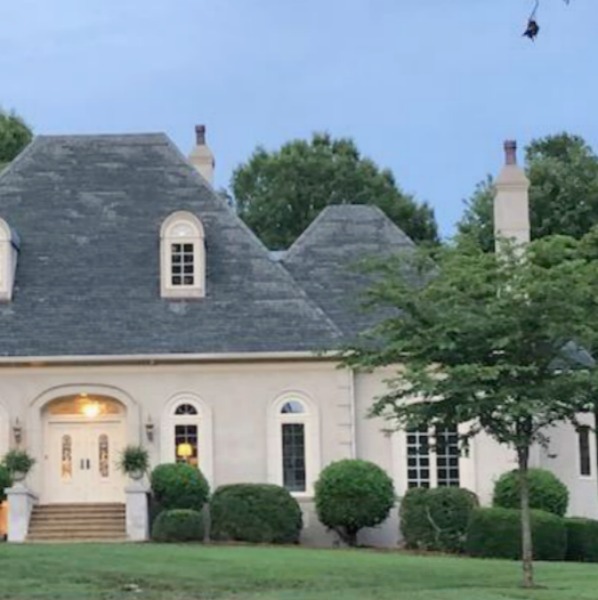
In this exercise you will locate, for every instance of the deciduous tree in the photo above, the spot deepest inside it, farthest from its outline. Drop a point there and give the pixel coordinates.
(14, 136)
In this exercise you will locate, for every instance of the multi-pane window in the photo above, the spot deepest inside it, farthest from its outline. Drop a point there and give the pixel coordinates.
(293, 457)
(182, 264)
(104, 456)
(433, 457)
(186, 437)
(585, 462)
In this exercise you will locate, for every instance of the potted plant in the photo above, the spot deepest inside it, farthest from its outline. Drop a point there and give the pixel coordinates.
(134, 461)
(18, 463)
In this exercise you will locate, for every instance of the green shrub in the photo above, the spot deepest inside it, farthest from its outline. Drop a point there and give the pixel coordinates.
(178, 525)
(496, 533)
(582, 540)
(546, 492)
(179, 485)
(436, 519)
(256, 513)
(5, 482)
(352, 494)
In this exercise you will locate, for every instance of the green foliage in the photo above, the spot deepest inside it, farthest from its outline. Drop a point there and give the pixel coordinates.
(18, 461)
(582, 540)
(563, 173)
(179, 485)
(14, 136)
(278, 194)
(5, 482)
(133, 460)
(178, 525)
(256, 513)
(436, 519)
(352, 494)
(496, 533)
(546, 491)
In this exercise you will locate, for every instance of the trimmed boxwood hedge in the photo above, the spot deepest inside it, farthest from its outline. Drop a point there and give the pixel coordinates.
(256, 513)
(178, 525)
(179, 485)
(436, 519)
(546, 492)
(496, 533)
(582, 539)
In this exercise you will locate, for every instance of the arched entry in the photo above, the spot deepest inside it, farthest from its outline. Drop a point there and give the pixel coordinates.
(83, 437)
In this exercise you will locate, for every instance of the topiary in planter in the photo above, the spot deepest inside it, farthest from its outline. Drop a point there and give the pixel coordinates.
(546, 492)
(582, 540)
(178, 525)
(18, 463)
(436, 519)
(496, 533)
(256, 513)
(351, 495)
(179, 485)
(5, 482)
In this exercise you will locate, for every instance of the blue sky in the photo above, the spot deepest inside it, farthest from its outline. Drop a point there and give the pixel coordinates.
(429, 88)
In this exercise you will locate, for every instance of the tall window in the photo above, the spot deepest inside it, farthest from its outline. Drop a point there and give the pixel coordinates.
(9, 250)
(293, 456)
(433, 457)
(585, 461)
(186, 434)
(183, 257)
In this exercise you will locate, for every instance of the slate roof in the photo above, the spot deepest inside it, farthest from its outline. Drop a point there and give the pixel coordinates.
(88, 211)
(326, 260)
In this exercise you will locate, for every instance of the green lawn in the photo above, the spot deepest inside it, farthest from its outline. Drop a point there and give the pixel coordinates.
(248, 573)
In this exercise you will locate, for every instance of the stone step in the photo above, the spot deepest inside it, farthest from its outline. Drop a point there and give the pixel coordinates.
(83, 537)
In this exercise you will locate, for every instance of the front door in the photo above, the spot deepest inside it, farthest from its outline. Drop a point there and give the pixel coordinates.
(81, 463)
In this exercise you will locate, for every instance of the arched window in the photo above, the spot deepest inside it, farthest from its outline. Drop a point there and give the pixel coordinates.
(182, 257)
(186, 435)
(293, 452)
(9, 249)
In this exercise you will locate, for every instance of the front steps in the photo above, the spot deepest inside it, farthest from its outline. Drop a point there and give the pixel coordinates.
(77, 522)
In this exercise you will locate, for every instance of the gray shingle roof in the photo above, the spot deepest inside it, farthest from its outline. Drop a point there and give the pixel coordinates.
(88, 211)
(325, 261)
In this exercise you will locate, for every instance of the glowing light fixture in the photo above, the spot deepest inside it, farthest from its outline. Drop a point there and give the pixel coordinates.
(91, 409)
(184, 451)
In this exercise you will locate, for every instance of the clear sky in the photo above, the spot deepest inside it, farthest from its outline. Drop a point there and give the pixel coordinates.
(429, 88)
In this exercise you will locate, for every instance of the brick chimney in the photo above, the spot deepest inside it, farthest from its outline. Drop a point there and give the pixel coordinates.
(511, 202)
(201, 156)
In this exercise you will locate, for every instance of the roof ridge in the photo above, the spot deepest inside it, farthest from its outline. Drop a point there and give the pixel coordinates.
(18, 158)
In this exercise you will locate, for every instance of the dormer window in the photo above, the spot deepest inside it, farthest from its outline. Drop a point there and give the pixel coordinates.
(9, 250)
(182, 249)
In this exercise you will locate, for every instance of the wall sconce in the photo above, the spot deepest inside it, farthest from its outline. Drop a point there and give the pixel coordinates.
(149, 429)
(17, 431)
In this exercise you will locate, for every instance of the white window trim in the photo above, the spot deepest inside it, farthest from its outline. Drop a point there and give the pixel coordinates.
(8, 262)
(196, 237)
(204, 421)
(310, 419)
(591, 450)
(399, 463)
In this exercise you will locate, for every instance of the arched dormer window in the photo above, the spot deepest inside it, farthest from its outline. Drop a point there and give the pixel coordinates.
(182, 257)
(9, 250)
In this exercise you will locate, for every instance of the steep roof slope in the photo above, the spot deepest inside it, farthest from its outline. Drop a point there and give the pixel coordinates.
(325, 260)
(88, 210)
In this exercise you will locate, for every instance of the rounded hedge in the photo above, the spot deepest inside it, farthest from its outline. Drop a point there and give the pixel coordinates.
(352, 494)
(178, 525)
(436, 519)
(546, 492)
(582, 540)
(5, 482)
(256, 513)
(496, 533)
(179, 485)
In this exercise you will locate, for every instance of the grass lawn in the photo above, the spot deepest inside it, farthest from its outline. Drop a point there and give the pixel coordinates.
(95, 571)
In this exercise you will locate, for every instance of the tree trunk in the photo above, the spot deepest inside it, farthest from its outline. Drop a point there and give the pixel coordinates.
(526, 525)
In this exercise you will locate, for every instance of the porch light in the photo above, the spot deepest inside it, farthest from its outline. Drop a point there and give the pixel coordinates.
(184, 451)
(17, 431)
(149, 429)
(91, 410)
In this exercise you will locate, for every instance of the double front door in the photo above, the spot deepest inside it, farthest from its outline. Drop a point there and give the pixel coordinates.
(81, 463)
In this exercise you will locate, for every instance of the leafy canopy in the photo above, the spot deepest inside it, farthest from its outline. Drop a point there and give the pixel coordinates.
(14, 136)
(563, 173)
(278, 194)
(485, 339)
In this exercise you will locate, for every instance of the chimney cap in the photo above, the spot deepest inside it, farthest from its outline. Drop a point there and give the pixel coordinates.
(510, 152)
(200, 135)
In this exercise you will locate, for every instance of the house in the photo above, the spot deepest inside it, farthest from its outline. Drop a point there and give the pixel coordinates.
(137, 308)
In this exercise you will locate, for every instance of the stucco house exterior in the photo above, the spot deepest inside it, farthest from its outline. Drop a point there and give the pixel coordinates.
(137, 308)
